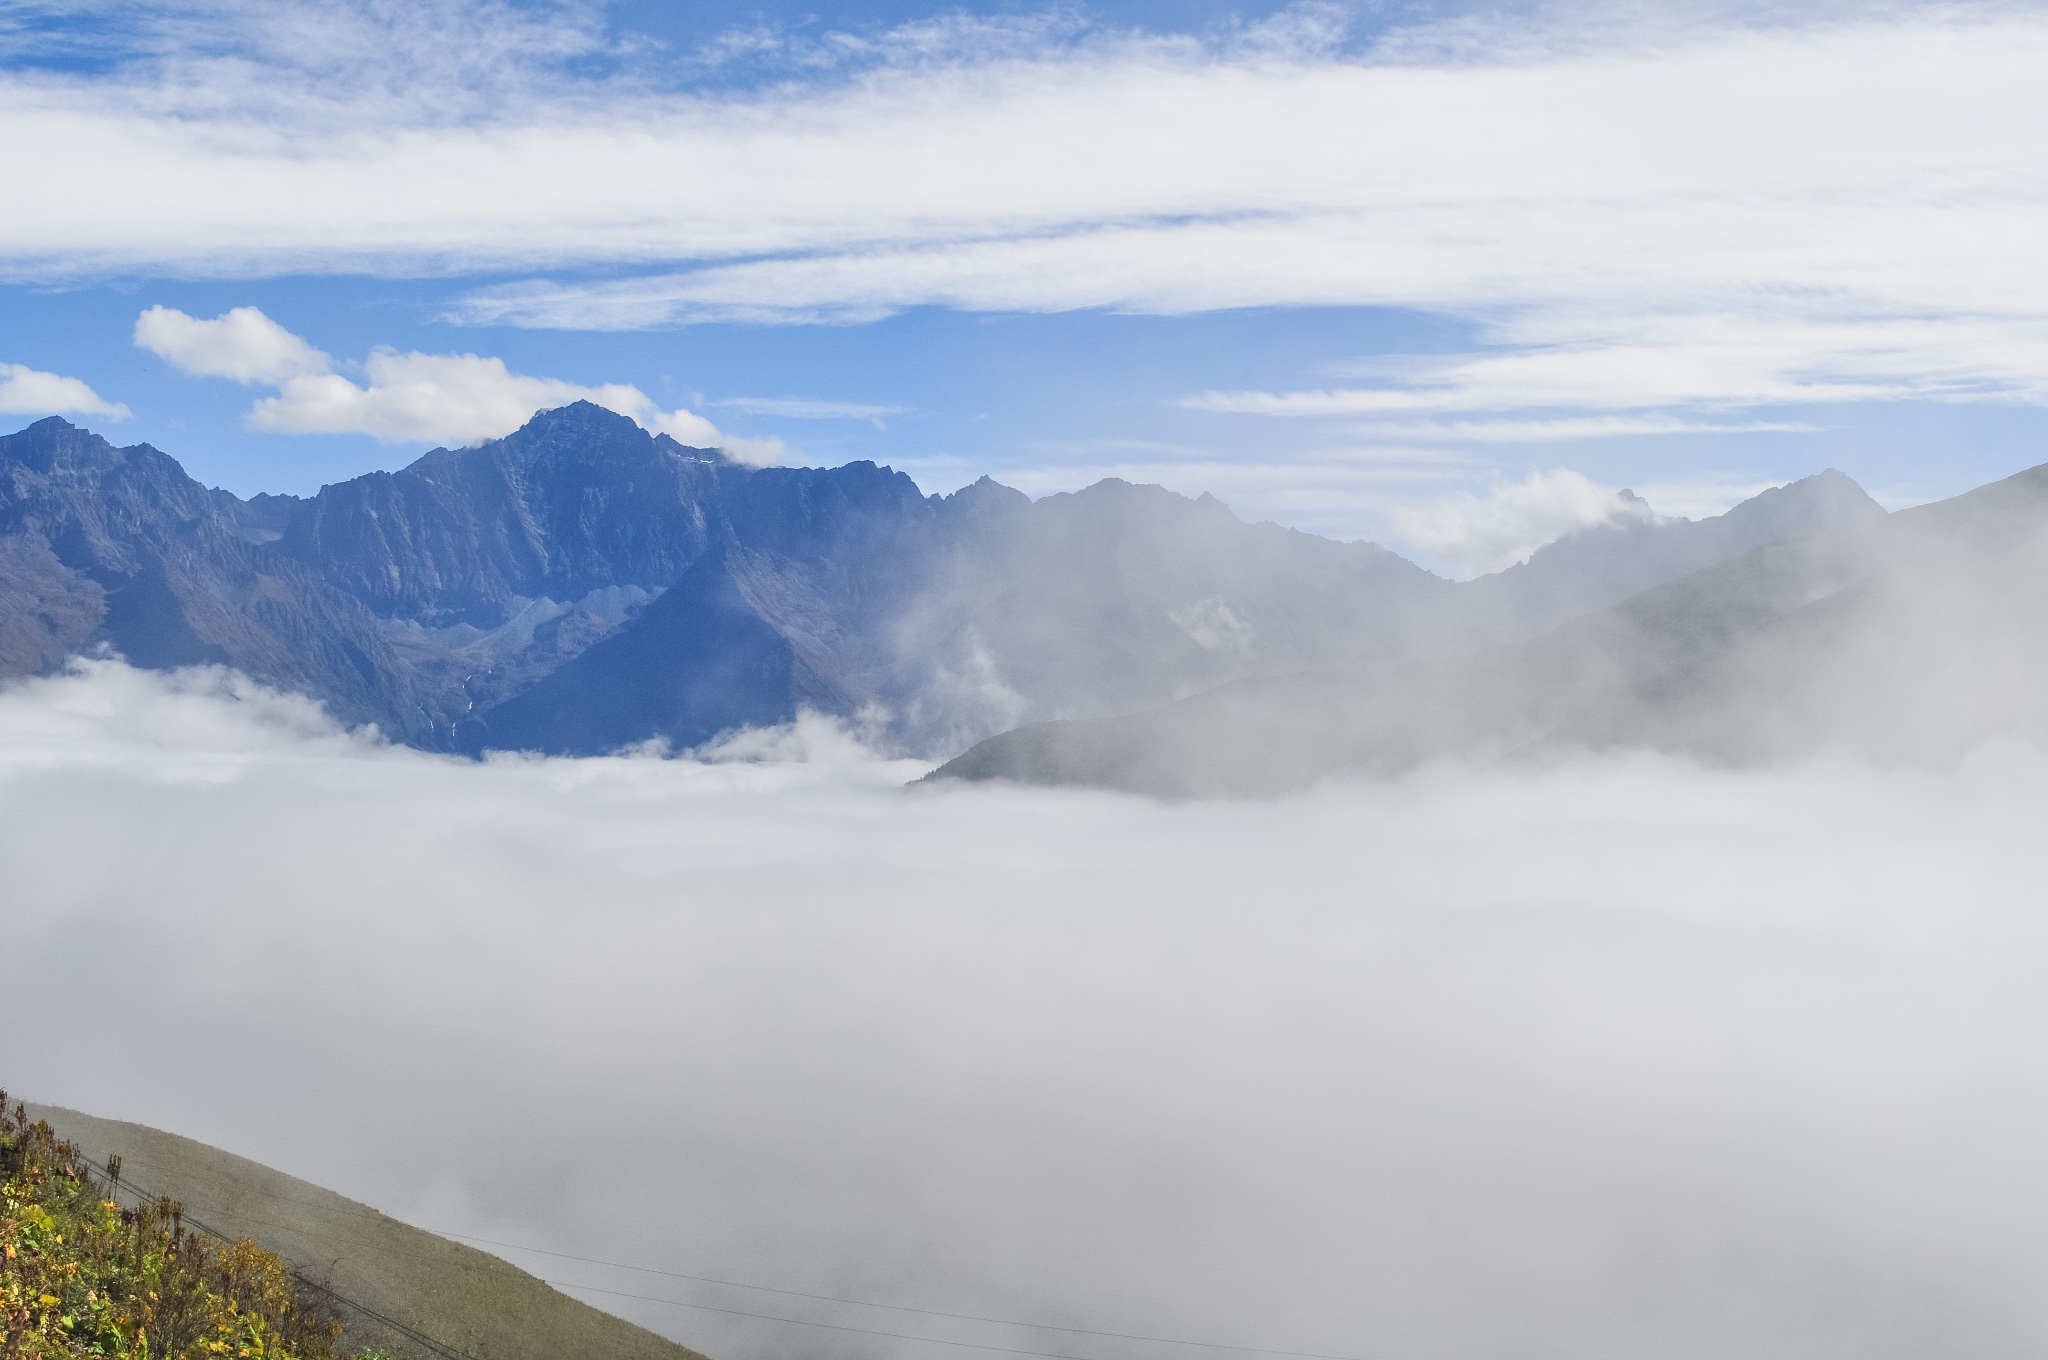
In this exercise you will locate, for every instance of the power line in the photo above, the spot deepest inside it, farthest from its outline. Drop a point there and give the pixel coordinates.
(404, 1329)
(143, 1195)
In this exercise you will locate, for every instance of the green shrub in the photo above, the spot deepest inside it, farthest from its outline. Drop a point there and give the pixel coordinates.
(81, 1276)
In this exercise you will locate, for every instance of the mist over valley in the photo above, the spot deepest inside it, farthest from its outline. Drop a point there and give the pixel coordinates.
(859, 680)
(1644, 1054)
(1659, 971)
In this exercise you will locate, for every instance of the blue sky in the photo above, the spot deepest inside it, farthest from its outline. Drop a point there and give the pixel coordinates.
(1442, 277)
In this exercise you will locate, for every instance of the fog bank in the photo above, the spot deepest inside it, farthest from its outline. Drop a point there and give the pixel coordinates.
(1617, 1057)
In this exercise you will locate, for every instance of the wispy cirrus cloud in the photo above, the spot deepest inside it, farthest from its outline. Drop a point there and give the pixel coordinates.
(425, 62)
(808, 408)
(1699, 363)
(1569, 427)
(1738, 218)
(1719, 213)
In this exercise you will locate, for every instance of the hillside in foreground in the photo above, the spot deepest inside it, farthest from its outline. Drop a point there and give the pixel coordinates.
(82, 1275)
(468, 1301)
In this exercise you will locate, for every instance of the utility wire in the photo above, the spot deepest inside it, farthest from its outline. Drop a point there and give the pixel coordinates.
(404, 1329)
(447, 1352)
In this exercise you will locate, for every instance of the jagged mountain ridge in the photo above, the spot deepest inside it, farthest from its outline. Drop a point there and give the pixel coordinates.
(963, 614)
(99, 544)
(1908, 637)
(574, 502)
(582, 585)
(1637, 549)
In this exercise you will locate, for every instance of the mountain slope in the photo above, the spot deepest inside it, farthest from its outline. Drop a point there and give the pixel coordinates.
(1913, 635)
(722, 648)
(119, 546)
(578, 500)
(458, 1295)
(993, 610)
(846, 590)
(1604, 564)
(782, 615)
(508, 595)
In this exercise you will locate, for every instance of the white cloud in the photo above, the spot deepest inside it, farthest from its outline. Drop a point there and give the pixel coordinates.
(1701, 362)
(448, 398)
(242, 344)
(1703, 215)
(1616, 1058)
(311, 61)
(754, 451)
(30, 391)
(1569, 427)
(1481, 533)
(404, 397)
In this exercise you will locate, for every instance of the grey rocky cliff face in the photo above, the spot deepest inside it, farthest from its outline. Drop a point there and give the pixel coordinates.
(581, 585)
(100, 545)
(578, 500)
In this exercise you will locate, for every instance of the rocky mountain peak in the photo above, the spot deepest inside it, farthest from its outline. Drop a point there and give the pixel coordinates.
(1830, 495)
(56, 447)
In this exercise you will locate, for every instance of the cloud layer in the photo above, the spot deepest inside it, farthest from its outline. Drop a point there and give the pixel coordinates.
(1618, 1058)
(1706, 216)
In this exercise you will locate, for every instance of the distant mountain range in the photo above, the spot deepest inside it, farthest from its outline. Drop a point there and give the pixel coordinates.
(581, 586)
(1911, 636)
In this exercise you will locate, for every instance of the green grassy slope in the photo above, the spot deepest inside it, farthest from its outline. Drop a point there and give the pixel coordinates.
(464, 1298)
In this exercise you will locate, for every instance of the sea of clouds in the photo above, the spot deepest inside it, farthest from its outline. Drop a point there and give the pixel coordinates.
(1620, 1057)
